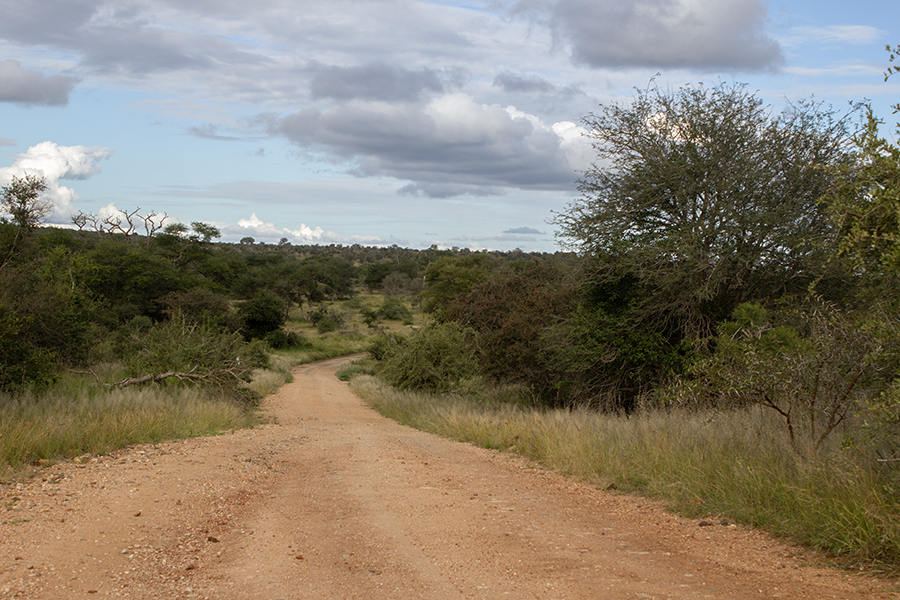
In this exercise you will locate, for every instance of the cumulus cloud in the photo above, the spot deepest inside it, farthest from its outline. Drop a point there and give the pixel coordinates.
(56, 162)
(30, 88)
(691, 34)
(266, 231)
(448, 146)
(303, 235)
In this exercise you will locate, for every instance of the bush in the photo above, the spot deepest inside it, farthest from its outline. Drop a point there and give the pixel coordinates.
(326, 319)
(434, 359)
(385, 344)
(21, 364)
(511, 312)
(816, 368)
(280, 339)
(393, 309)
(197, 305)
(196, 354)
(261, 314)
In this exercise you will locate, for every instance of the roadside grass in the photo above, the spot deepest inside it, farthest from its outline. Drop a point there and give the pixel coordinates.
(735, 465)
(78, 415)
(74, 419)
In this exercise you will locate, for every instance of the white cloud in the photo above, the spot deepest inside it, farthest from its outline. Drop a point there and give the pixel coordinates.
(301, 235)
(56, 162)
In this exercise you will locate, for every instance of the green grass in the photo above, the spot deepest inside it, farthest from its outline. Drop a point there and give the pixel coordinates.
(354, 337)
(738, 465)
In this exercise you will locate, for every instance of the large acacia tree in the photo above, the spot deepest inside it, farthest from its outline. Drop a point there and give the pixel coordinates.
(703, 198)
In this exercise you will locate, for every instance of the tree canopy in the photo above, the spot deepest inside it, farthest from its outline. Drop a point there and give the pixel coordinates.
(705, 197)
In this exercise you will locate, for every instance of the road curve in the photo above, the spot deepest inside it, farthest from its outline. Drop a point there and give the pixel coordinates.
(334, 501)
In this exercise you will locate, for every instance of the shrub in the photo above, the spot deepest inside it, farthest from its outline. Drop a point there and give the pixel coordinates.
(178, 351)
(327, 319)
(261, 314)
(816, 368)
(385, 344)
(197, 305)
(434, 359)
(21, 364)
(393, 309)
(280, 339)
(511, 312)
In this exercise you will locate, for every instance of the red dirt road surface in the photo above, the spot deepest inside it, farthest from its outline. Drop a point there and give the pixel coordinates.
(333, 501)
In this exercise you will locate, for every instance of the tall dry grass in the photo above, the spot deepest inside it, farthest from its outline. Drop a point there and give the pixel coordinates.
(738, 464)
(79, 417)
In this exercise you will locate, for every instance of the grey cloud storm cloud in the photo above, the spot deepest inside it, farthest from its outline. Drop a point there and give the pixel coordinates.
(511, 82)
(22, 86)
(448, 146)
(524, 231)
(378, 85)
(693, 34)
(372, 81)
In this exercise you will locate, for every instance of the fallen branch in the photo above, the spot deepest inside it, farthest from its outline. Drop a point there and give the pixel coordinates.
(153, 378)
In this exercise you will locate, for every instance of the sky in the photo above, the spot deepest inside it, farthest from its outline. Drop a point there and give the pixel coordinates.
(382, 122)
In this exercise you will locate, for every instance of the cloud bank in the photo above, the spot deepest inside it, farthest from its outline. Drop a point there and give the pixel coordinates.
(448, 146)
(705, 35)
(30, 88)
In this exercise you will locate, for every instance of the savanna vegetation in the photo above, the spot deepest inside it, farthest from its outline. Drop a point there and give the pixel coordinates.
(725, 335)
(722, 331)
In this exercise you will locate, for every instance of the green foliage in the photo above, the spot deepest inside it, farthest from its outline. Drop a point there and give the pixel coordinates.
(385, 344)
(197, 305)
(865, 203)
(54, 312)
(390, 276)
(327, 319)
(281, 339)
(21, 363)
(511, 313)
(23, 200)
(606, 360)
(128, 279)
(394, 309)
(401, 284)
(436, 359)
(263, 313)
(194, 353)
(708, 199)
(450, 276)
(817, 368)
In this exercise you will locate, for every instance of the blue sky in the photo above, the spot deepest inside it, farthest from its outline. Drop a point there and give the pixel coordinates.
(383, 121)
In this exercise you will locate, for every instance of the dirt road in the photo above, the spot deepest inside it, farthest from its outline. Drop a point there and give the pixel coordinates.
(334, 501)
